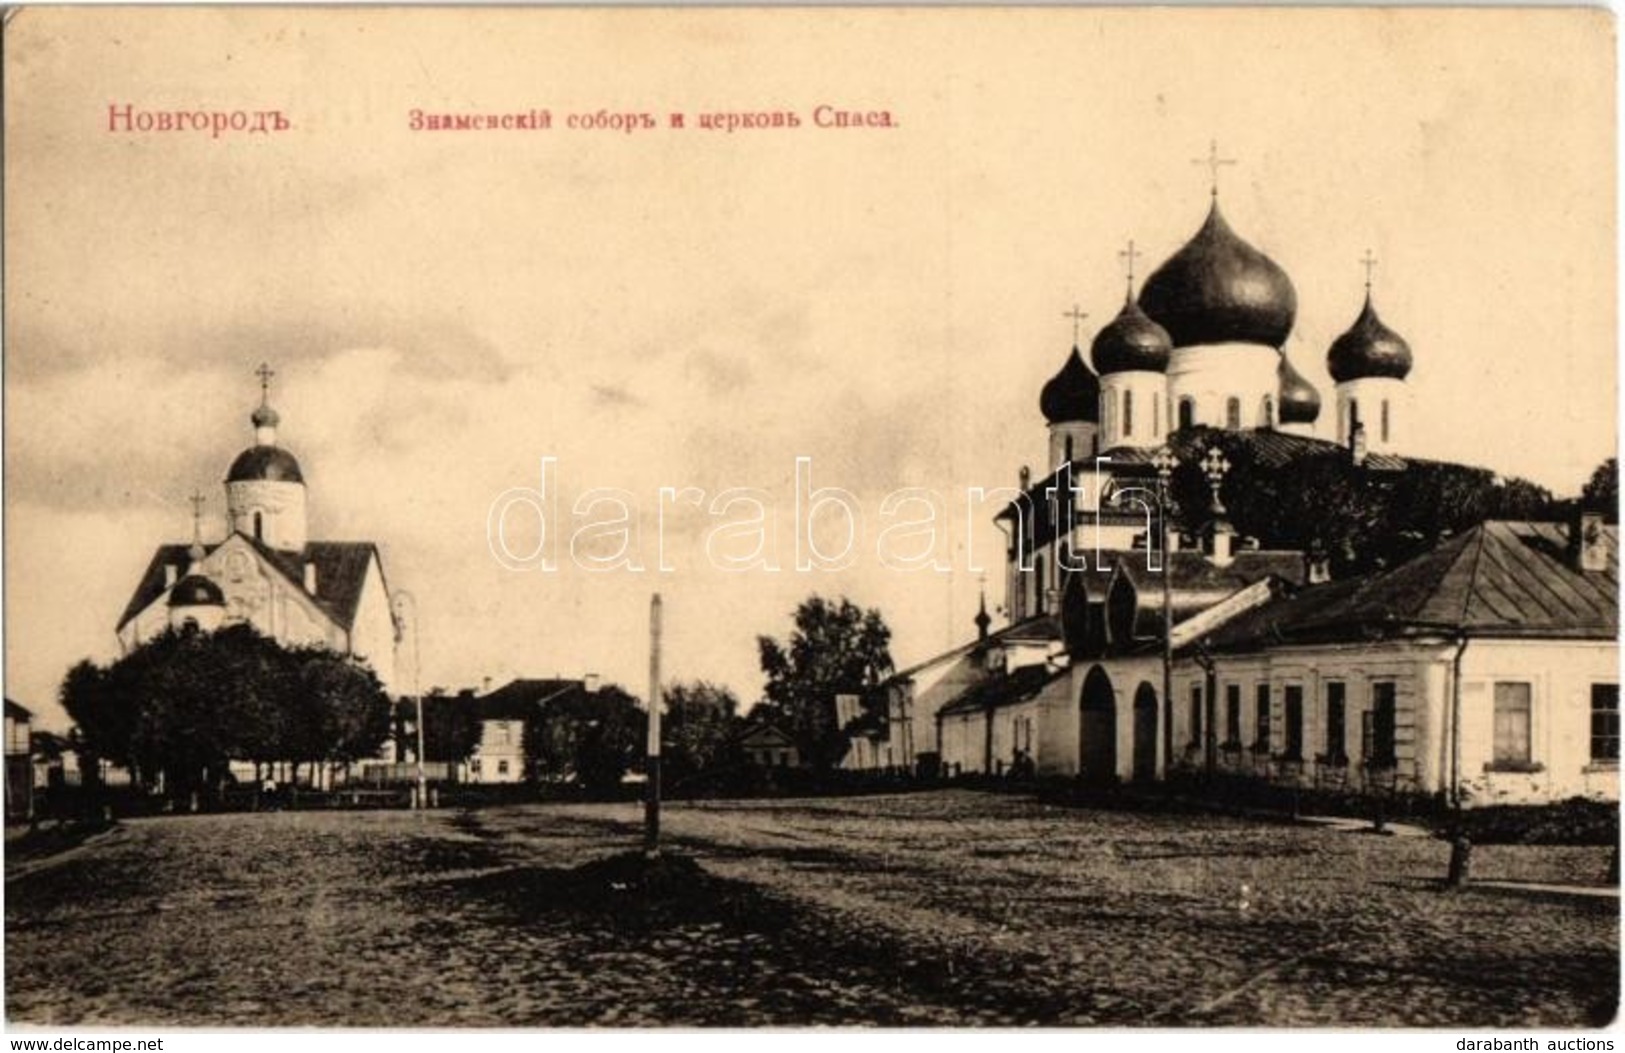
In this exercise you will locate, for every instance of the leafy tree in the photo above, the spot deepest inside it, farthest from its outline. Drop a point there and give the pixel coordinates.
(450, 727)
(591, 739)
(1601, 491)
(697, 731)
(836, 648)
(185, 704)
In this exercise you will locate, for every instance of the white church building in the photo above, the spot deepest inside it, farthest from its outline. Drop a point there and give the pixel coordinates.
(267, 571)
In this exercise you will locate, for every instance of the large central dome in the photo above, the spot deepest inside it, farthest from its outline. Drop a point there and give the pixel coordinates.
(1218, 289)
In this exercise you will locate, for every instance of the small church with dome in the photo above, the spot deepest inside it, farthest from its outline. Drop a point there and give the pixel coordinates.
(266, 571)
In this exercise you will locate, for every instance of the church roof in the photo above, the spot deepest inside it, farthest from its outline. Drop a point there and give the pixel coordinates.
(1502, 578)
(1073, 394)
(1274, 449)
(270, 463)
(341, 571)
(1218, 289)
(1368, 349)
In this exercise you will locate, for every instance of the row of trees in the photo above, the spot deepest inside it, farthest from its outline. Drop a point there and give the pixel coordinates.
(185, 704)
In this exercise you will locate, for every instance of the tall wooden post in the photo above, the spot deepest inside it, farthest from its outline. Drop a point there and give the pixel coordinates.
(651, 796)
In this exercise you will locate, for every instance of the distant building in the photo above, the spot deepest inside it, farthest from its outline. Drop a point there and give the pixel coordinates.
(499, 755)
(19, 761)
(766, 745)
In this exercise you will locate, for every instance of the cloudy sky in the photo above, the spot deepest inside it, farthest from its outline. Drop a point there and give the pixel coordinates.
(699, 308)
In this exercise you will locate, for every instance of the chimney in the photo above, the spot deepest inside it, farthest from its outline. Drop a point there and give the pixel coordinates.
(485, 686)
(589, 683)
(310, 576)
(171, 575)
(1587, 551)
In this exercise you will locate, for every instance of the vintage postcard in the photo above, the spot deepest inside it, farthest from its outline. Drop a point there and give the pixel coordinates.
(767, 517)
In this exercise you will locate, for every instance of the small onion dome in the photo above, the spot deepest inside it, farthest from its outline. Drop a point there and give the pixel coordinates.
(1218, 289)
(1131, 341)
(265, 417)
(1299, 401)
(1071, 395)
(1369, 349)
(268, 463)
(195, 590)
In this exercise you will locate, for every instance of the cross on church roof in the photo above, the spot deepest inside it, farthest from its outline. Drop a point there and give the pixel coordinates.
(1077, 314)
(265, 373)
(1128, 256)
(1369, 262)
(1214, 162)
(197, 516)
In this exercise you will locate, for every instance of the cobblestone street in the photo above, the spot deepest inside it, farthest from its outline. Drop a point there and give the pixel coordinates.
(930, 909)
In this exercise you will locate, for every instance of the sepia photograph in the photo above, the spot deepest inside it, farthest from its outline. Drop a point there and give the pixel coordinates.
(811, 517)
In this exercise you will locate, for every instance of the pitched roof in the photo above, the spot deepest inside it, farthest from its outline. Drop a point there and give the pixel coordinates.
(1019, 685)
(18, 711)
(1502, 578)
(522, 698)
(341, 571)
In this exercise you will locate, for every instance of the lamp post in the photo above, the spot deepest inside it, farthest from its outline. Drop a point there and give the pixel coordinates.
(1165, 462)
(1214, 466)
(405, 601)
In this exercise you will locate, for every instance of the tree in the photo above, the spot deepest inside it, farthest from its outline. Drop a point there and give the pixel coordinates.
(836, 648)
(697, 733)
(590, 739)
(185, 704)
(1601, 491)
(450, 730)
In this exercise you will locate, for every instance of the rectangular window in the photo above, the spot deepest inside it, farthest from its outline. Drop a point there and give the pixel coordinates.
(502, 767)
(1294, 722)
(1605, 723)
(1336, 742)
(1232, 714)
(1128, 413)
(1232, 414)
(1379, 745)
(1196, 714)
(1261, 720)
(1384, 420)
(1512, 724)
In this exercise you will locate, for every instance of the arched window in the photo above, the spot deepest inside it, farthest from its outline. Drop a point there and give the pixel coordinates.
(1268, 414)
(1128, 413)
(1069, 449)
(1232, 413)
(1187, 412)
(1384, 420)
(259, 526)
(1353, 421)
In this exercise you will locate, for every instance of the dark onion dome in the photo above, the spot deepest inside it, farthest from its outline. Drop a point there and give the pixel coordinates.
(195, 590)
(265, 417)
(1299, 401)
(1369, 349)
(1131, 341)
(1218, 289)
(1071, 395)
(268, 463)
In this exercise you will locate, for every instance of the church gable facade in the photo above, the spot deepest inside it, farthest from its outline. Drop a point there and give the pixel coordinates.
(266, 572)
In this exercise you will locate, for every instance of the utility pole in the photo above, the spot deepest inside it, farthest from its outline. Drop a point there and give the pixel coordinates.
(651, 798)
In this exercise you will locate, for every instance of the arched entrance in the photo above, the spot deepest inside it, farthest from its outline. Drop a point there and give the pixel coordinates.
(1097, 728)
(1145, 733)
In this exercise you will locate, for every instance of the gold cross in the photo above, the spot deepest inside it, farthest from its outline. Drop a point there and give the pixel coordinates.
(1077, 314)
(1214, 162)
